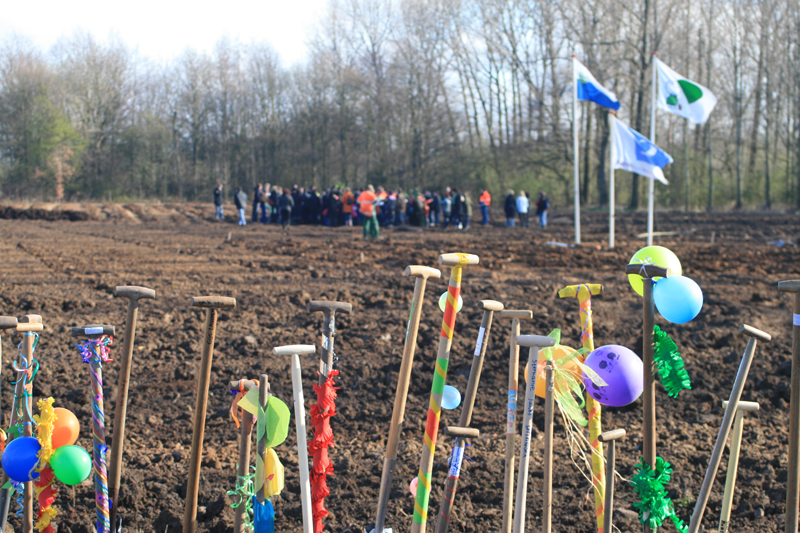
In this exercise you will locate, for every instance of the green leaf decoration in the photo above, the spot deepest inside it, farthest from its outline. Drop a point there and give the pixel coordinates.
(669, 364)
(277, 422)
(650, 486)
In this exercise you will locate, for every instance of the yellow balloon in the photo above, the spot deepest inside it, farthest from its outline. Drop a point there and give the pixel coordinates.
(570, 366)
(653, 255)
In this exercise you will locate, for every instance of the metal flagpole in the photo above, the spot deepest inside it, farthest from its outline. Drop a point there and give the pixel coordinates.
(575, 149)
(612, 117)
(651, 196)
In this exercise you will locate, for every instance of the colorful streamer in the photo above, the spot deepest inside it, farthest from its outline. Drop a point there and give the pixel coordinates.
(654, 506)
(43, 485)
(318, 447)
(667, 360)
(96, 352)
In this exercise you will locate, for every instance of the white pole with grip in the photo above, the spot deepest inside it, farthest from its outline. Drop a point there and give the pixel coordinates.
(535, 343)
(652, 185)
(575, 150)
(612, 122)
(300, 423)
(733, 462)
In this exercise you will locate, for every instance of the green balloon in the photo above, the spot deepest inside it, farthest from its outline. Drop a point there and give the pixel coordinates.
(653, 255)
(71, 464)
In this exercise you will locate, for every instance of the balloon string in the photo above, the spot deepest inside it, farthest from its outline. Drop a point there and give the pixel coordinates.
(20, 488)
(27, 374)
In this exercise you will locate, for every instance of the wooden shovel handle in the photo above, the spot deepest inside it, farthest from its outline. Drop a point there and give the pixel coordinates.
(213, 302)
(419, 271)
(458, 259)
(463, 432)
(647, 271)
(510, 313)
(490, 305)
(134, 293)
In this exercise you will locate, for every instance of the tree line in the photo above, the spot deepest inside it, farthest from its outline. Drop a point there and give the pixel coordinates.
(415, 94)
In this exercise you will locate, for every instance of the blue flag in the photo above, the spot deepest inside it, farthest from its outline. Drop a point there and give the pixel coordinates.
(634, 152)
(590, 89)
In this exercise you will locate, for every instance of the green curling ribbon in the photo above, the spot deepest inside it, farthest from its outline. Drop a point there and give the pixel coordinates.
(243, 495)
(669, 364)
(650, 486)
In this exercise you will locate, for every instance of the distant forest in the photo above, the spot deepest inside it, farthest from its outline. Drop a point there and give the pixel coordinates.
(419, 94)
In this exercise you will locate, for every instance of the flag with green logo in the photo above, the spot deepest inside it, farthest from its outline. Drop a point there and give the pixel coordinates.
(683, 97)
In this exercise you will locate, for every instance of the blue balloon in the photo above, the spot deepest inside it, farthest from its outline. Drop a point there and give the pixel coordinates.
(678, 298)
(451, 398)
(20, 458)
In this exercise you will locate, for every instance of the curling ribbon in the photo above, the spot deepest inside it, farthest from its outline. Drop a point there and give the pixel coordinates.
(235, 408)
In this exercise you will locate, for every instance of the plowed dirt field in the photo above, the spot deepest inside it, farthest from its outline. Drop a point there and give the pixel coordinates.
(63, 262)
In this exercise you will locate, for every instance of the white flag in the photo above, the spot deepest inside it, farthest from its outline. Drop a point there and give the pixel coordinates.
(635, 153)
(686, 98)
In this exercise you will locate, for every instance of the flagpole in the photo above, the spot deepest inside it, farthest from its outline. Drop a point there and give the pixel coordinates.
(612, 117)
(575, 150)
(652, 190)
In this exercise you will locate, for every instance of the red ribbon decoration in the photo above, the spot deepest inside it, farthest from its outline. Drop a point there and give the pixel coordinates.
(318, 447)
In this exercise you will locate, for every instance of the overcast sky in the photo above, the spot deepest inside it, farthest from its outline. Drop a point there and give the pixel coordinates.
(163, 29)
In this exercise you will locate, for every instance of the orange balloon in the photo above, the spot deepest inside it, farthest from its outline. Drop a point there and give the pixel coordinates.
(570, 367)
(66, 428)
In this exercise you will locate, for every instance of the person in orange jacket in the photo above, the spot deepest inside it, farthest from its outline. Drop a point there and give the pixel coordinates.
(348, 201)
(366, 206)
(485, 201)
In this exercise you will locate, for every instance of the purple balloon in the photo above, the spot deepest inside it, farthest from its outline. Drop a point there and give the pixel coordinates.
(621, 369)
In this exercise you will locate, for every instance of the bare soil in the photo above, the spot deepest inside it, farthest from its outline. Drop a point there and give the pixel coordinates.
(63, 262)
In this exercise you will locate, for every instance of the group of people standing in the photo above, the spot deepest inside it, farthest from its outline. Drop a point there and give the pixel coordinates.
(372, 208)
(520, 207)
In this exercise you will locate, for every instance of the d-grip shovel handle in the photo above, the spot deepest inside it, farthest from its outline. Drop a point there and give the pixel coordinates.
(93, 330)
(647, 271)
(132, 292)
(419, 271)
(327, 306)
(213, 302)
(457, 259)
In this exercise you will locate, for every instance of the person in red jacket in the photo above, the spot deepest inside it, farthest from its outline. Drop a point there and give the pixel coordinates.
(485, 201)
